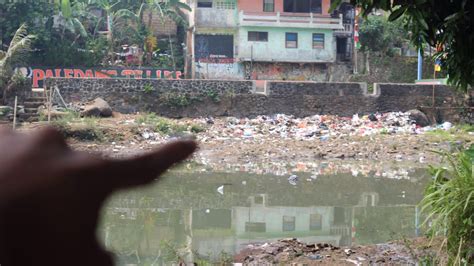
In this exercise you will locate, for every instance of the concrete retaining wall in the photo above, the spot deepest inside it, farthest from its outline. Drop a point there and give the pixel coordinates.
(194, 98)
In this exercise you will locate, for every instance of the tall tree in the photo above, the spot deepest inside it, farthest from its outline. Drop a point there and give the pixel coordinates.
(16, 55)
(114, 16)
(171, 9)
(439, 23)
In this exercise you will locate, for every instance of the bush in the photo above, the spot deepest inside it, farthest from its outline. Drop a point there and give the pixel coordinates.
(197, 129)
(377, 34)
(163, 126)
(449, 204)
(147, 118)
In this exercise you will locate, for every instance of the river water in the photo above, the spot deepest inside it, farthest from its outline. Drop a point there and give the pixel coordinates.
(196, 213)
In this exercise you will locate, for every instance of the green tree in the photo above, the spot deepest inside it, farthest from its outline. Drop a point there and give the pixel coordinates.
(448, 23)
(16, 55)
(377, 34)
(115, 17)
(165, 9)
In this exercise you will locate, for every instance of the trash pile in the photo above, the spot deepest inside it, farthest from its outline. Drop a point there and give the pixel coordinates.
(320, 127)
(284, 250)
(315, 169)
(293, 252)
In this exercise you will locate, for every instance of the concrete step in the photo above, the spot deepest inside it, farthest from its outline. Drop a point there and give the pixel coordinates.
(33, 104)
(35, 99)
(31, 110)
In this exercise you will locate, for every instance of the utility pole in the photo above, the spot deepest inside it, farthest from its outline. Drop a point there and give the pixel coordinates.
(356, 39)
(420, 64)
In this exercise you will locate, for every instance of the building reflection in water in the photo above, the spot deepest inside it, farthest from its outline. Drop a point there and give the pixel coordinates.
(184, 216)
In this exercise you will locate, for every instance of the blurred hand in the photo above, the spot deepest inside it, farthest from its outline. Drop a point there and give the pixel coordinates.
(50, 196)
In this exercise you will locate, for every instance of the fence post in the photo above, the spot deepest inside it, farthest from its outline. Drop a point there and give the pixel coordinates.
(14, 112)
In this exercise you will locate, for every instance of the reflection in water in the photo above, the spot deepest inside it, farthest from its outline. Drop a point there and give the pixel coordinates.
(190, 215)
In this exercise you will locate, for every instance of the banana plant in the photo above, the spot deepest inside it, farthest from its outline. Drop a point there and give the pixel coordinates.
(69, 14)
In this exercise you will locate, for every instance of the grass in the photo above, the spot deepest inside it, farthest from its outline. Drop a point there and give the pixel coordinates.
(167, 126)
(449, 205)
(71, 125)
(458, 132)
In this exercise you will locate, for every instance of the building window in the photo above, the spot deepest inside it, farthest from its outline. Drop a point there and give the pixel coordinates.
(291, 40)
(268, 5)
(302, 6)
(224, 5)
(289, 223)
(258, 36)
(318, 41)
(316, 221)
(255, 227)
(204, 3)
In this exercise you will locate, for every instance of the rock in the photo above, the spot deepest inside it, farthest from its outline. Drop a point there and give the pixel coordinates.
(419, 117)
(98, 107)
(5, 110)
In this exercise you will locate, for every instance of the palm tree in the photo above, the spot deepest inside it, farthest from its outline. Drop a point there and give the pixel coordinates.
(166, 9)
(16, 55)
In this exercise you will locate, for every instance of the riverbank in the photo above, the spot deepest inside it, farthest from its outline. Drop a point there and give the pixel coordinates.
(293, 252)
(288, 147)
(268, 143)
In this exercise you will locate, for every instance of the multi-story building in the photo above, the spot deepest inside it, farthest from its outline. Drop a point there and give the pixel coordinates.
(269, 39)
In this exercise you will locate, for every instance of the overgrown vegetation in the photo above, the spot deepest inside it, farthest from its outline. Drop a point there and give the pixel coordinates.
(459, 132)
(166, 126)
(72, 125)
(16, 53)
(379, 35)
(449, 204)
(385, 69)
(176, 99)
(148, 88)
(70, 32)
(447, 26)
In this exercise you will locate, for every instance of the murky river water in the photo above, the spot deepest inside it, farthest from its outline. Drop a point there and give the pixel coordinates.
(193, 214)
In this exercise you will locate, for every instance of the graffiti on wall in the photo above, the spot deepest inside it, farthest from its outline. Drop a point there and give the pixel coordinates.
(214, 56)
(219, 71)
(38, 74)
(286, 71)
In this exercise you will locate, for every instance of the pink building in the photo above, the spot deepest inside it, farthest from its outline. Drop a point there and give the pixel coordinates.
(271, 39)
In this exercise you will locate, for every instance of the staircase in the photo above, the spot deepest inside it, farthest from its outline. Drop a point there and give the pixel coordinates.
(31, 104)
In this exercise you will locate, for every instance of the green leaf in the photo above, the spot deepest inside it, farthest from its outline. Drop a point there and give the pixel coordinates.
(470, 153)
(66, 8)
(334, 5)
(397, 13)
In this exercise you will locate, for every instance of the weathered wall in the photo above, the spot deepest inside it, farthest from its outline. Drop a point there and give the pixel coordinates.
(286, 71)
(274, 50)
(224, 70)
(216, 18)
(194, 98)
(160, 26)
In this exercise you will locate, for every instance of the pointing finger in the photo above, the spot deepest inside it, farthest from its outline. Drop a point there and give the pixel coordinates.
(144, 169)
